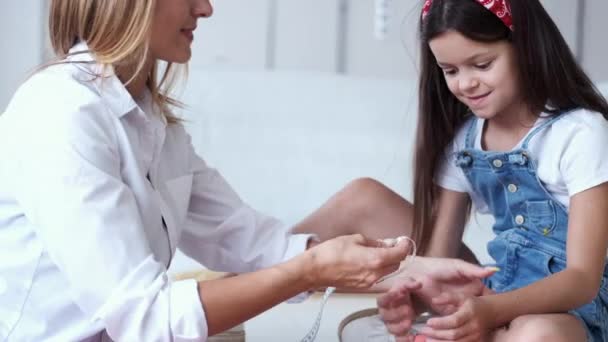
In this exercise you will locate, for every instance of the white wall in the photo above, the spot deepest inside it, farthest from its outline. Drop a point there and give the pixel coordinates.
(235, 36)
(595, 52)
(306, 35)
(21, 38)
(292, 34)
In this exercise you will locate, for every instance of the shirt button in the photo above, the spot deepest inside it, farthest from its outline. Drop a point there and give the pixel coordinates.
(512, 187)
(497, 163)
(519, 219)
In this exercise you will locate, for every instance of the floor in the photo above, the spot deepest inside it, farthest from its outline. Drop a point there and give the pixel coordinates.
(291, 322)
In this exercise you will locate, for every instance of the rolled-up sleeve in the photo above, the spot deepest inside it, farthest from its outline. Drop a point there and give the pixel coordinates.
(70, 188)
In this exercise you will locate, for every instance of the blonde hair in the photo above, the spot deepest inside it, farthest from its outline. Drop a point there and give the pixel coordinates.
(116, 33)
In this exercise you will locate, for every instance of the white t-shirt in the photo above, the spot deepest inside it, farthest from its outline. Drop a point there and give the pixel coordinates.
(571, 156)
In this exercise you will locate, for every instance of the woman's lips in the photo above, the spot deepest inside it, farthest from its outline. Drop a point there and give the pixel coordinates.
(188, 34)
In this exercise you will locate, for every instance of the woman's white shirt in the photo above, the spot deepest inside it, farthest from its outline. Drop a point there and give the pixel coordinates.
(96, 194)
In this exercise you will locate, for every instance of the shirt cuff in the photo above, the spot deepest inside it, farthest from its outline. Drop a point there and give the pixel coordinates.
(297, 244)
(188, 319)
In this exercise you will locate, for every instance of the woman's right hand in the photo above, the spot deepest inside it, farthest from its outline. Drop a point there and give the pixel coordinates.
(353, 262)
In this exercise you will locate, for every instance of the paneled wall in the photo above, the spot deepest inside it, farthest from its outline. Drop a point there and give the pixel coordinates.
(338, 35)
(314, 35)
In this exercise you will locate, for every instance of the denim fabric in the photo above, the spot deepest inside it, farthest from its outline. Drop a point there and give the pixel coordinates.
(531, 226)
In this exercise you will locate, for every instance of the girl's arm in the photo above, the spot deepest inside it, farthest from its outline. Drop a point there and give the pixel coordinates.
(577, 285)
(452, 212)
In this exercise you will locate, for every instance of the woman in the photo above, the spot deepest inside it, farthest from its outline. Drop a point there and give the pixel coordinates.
(101, 185)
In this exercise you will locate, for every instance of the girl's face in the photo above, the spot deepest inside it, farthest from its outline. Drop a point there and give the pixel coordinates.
(483, 76)
(173, 28)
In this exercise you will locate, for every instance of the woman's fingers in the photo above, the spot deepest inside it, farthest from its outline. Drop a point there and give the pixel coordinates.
(356, 262)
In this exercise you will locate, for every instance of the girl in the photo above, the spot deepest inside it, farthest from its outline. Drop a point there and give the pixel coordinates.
(99, 185)
(509, 123)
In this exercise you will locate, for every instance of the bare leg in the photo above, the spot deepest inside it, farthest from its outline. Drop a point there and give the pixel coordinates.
(542, 328)
(365, 206)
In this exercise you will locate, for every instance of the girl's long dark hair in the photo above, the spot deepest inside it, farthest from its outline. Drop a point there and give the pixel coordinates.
(550, 81)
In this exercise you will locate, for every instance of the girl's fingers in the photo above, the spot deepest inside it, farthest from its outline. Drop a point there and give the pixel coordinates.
(474, 271)
(458, 334)
(470, 338)
(390, 297)
(407, 284)
(401, 315)
(399, 328)
(453, 321)
(449, 298)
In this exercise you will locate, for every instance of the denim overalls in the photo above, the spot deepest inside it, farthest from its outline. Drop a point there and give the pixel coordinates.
(531, 226)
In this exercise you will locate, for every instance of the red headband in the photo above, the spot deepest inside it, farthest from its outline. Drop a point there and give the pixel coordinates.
(500, 8)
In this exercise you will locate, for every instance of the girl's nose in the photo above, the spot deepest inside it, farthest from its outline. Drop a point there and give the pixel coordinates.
(467, 83)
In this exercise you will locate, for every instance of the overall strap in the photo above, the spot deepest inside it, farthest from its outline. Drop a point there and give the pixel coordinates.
(545, 124)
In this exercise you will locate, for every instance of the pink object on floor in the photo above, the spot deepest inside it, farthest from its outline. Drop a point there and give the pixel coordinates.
(420, 338)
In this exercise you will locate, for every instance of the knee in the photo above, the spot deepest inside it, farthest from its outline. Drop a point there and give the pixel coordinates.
(362, 195)
(535, 329)
(358, 199)
(364, 187)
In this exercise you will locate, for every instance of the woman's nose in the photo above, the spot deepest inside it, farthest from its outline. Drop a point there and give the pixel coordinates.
(202, 9)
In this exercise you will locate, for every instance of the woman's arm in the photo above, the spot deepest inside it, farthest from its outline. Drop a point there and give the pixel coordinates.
(348, 262)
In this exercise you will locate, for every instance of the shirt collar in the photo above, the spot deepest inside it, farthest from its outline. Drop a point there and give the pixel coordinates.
(114, 94)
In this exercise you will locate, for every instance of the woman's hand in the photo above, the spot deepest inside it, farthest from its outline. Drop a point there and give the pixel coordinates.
(352, 262)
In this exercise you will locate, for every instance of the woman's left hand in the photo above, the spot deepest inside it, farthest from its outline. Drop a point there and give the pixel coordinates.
(470, 323)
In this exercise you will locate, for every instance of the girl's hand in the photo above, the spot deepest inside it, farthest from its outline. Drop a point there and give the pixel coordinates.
(447, 277)
(395, 307)
(470, 323)
(352, 262)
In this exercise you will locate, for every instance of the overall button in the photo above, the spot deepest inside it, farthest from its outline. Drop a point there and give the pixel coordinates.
(512, 187)
(519, 219)
(497, 163)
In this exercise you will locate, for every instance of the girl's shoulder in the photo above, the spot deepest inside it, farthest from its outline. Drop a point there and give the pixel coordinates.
(580, 122)
(578, 131)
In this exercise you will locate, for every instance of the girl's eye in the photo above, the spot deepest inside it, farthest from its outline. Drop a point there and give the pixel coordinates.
(449, 72)
(483, 66)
